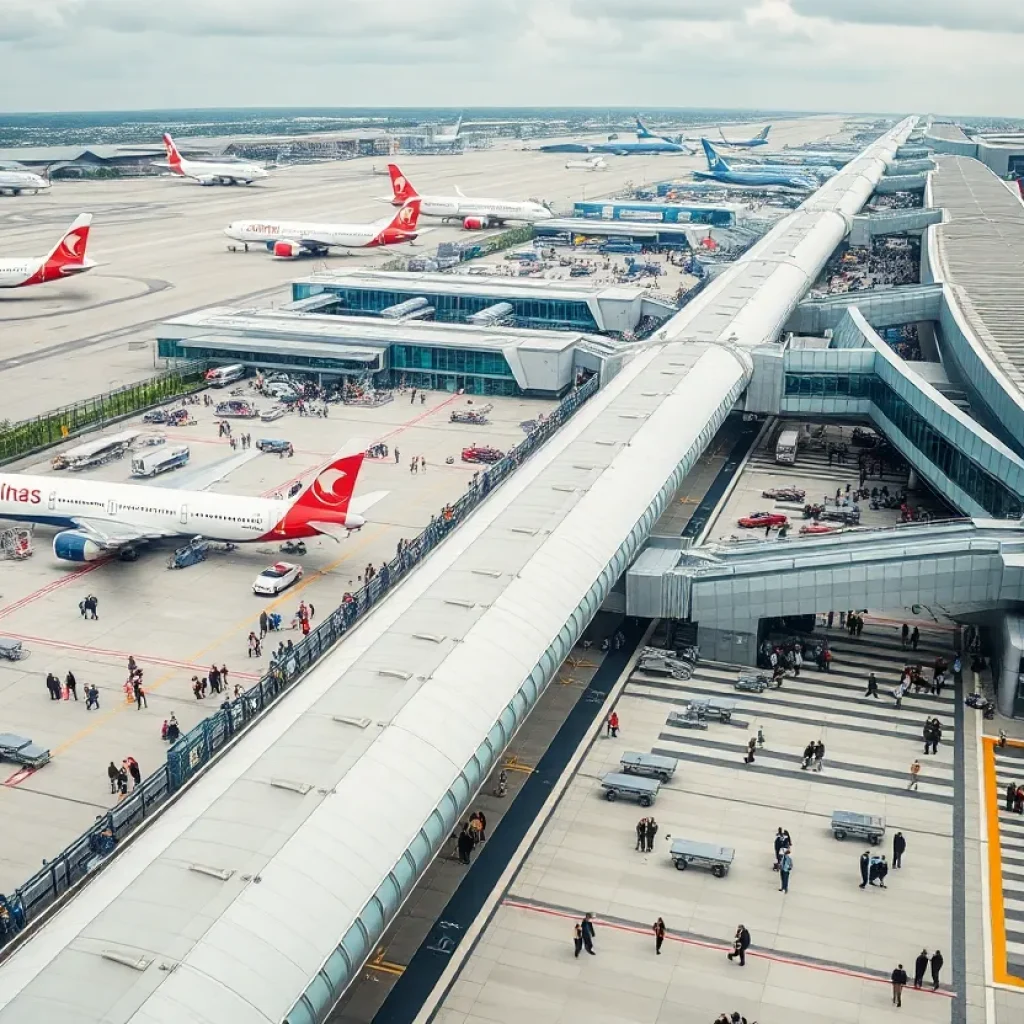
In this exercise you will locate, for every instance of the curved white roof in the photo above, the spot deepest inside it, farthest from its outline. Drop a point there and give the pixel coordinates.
(317, 822)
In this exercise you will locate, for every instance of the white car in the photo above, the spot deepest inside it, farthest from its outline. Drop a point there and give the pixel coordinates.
(280, 576)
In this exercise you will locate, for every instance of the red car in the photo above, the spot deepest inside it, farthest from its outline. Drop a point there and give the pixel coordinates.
(819, 528)
(756, 519)
(481, 453)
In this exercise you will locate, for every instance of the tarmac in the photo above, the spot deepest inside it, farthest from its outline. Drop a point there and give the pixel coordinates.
(179, 623)
(163, 253)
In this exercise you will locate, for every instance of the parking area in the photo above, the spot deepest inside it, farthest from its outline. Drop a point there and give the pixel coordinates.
(178, 624)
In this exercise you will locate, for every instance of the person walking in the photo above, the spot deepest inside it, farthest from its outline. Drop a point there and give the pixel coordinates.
(122, 784)
(865, 865)
(587, 927)
(641, 835)
(1011, 795)
(465, 844)
(920, 966)
(785, 867)
(92, 698)
(659, 935)
(652, 831)
(872, 690)
(140, 694)
(928, 733)
(134, 771)
(915, 638)
(905, 635)
(881, 870)
(613, 724)
(72, 684)
(937, 963)
(740, 945)
(577, 937)
(819, 755)
(751, 748)
(915, 772)
(899, 979)
(899, 846)
(112, 776)
(808, 757)
(781, 843)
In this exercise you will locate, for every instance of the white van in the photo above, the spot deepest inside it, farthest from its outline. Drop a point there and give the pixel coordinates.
(222, 376)
(160, 460)
(785, 447)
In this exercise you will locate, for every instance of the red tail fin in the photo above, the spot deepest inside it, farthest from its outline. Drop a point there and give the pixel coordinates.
(173, 156)
(67, 257)
(403, 225)
(331, 490)
(400, 185)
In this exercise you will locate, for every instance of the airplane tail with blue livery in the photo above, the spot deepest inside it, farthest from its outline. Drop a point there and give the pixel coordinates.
(714, 158)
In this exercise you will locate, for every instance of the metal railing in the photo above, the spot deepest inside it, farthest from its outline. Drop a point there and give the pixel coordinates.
(194, 751)
(51, 428)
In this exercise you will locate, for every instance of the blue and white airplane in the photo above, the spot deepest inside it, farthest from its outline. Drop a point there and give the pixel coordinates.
(820, 171)
(760, 139)
(646, 147)
(720, 170)
(643, 132)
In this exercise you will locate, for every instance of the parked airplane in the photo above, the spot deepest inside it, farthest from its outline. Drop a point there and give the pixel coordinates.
(594, 163)
(820, 171)
(65, 259)
(474, 212)
(208, 173)
(449, 138)
(643, 132)
(643, 147)
(98, 518)
(16, 182)
(760, 139)
(288, 240)
(720, 170)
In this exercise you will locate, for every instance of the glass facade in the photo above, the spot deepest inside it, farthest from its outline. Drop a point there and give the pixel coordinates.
(167, 348)
(455, 360)
(532, 312)
(967, 473)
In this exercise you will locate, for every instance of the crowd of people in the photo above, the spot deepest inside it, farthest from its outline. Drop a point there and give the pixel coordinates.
(888, 262)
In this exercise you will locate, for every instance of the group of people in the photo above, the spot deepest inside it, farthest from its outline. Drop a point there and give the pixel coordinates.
(873, 868)
(417, 463)
(932, 735)
(921, 965)
(813, 756)
(89, 606)
(69, 690)
(783, 844)
(1015, 798)
(472, 833)
(646, 830)
(216, 681)
(133, 689)
(303, 618)
(118, 777)
(244, 441)
(170, 731)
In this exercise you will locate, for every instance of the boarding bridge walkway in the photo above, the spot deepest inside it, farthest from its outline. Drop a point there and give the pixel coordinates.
(958, 566)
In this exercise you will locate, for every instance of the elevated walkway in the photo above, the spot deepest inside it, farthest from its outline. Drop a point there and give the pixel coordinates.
(889, 307)
(902, 183)
(866, 226)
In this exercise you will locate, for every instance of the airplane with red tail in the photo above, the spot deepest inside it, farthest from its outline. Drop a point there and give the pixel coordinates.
(474, 213)
(97, 518)
(207, 172)
(66, 259)
(288, 240)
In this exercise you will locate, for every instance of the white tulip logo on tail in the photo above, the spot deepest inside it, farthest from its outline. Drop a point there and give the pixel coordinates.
(325, 487)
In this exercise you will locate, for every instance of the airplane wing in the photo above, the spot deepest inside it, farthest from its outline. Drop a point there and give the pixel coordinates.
(363, 502)
(202, 478)
(111, 535)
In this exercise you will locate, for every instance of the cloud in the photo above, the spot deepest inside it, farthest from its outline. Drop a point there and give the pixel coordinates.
(631, 11)
(954, 15)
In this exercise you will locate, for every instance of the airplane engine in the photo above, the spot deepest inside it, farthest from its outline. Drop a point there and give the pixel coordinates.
(287, 250)
(76, 546)
(474, 223)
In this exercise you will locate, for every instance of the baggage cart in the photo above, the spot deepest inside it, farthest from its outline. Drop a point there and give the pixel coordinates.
(653, 766)
(713, 707)
(662, 662)
(861, 826)
(717, 859)
(752, 682)
(618, 784)
(688, 719)
(21, 750)
(11, 650)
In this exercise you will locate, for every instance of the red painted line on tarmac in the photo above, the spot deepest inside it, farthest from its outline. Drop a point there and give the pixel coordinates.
(724, 948)
(102, 652)
(19, 776)
(419, 419)
(49, 588)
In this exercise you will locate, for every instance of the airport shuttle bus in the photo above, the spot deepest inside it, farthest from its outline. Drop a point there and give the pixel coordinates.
(161, 461)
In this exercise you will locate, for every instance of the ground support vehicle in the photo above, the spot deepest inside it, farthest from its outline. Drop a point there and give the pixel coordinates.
(859, 826)
(643, 791)
(717, 859)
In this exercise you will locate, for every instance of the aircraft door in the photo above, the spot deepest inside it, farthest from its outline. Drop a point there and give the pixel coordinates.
(184, 515)
(111, 507)
(51, 501)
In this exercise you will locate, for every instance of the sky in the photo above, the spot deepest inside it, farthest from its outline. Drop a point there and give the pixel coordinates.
(915, 56)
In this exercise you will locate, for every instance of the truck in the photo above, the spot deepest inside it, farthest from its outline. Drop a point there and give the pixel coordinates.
(160, 460)
(785, 447)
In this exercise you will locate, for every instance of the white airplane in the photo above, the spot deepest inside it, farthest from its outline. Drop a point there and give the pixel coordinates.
(475, 213)
(595, 163)
(97, 518)
(208, 173)
(65, 259)
(449, 139)
(16, 182)
(288, 240)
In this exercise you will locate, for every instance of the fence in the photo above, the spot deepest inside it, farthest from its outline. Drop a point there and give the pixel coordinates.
(34, 435)
(195, 750)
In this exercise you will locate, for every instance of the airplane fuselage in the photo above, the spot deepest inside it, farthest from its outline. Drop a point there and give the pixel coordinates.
(162, 511)
(219, 174)
(16, 182)
(496, 210)
(17, 272)
(757, 178)
(325, 236)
